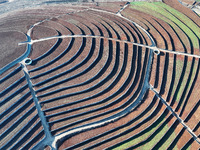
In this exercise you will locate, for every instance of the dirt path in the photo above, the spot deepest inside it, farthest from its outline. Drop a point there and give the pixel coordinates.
(156, 49)
(51, 140)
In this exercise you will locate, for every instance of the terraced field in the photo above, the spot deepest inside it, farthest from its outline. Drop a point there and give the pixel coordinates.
(100, 77)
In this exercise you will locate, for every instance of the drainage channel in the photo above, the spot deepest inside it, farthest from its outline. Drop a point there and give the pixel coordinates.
(48, 137)
(51, 140)
(175, 115)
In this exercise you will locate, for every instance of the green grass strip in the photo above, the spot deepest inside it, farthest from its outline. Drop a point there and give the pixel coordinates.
(147, 133)
(179, 66)
(156, 139)
(160, 10)
(141, 138)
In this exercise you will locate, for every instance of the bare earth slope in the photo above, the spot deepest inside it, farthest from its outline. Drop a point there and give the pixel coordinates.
(99, 76)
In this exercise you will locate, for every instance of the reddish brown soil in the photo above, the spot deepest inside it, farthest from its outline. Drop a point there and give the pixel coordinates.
(64, 59)
(192, 101)
(60, 102)
(98, 90)
(91, 73)
(123, 36)
(71, 24)
(14, 99)
(54, 24)
(39, 49)
(156, 80)
(177, 130)
(78, 21)
(190, 2)
(19, 126)
(91, 133)
(51, 11)
(39, 32)
(136, 131)
(75, 19)
(107, 6)
(31, 136)
(184, 139)
(104, 96)
(136, 19)
(186, 11)
(86, 18)
(11, 80)
(142, 17)
(10, 50)
(195, 145)
(27, 17)
(91, 20)
(193, 121)
(116, 27)
(62, 18)
(136, 15)
(4, 74)
(20, 25)
(109, 22)
(37, 140)
(79, 82)
(163, 34)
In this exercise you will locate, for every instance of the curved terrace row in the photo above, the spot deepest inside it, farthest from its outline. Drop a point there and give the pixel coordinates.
(87, 80)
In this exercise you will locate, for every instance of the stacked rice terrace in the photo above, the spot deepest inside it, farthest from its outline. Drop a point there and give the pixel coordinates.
(107, 76)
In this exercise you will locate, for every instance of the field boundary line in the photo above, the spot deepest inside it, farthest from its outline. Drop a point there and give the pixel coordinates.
(156, 49)
(175, 115)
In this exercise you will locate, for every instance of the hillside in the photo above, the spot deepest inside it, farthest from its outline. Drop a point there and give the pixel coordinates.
(100, 75)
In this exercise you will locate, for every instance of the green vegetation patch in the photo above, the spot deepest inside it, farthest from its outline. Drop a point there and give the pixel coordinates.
(179, 67)
(172, 17)
(146, 133)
